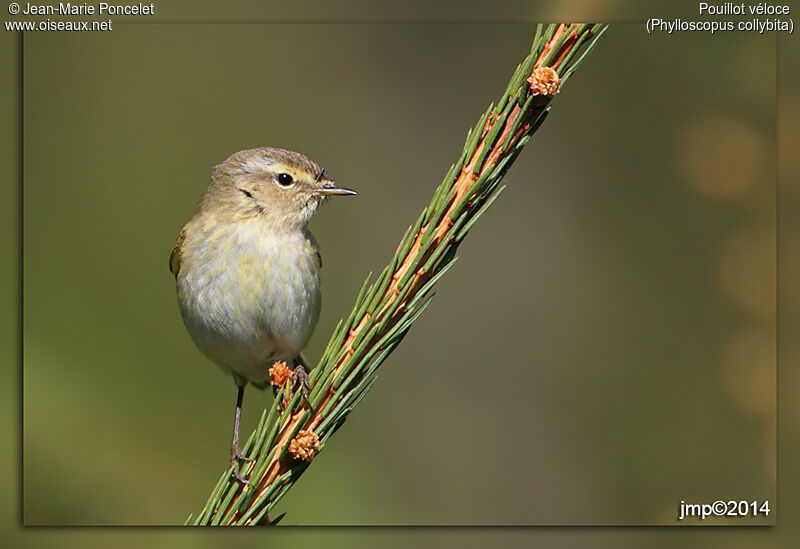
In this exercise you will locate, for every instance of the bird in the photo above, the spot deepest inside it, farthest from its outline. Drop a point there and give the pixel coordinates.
(247, 269)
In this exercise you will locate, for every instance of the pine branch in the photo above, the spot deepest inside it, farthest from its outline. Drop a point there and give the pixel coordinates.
(290, 434)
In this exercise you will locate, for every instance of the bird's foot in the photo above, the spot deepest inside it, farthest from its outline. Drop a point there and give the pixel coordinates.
(235, 473)
(236, 455)
(287, 389)
(300, 378)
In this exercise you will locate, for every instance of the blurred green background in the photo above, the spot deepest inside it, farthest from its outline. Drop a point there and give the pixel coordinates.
(604, 349)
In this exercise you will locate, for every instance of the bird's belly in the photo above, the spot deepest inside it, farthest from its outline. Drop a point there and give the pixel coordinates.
(251, 304)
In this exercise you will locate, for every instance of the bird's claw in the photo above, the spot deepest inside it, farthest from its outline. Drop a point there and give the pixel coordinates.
(235, 473)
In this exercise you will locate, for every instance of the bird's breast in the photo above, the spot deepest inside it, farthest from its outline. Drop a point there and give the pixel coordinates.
(249, 294)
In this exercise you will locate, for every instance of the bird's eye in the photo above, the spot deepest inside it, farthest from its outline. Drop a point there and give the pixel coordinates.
(285, 179)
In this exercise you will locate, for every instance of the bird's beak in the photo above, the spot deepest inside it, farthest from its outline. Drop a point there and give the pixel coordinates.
(331, 189)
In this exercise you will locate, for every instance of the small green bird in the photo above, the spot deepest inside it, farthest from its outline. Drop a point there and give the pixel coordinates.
(247, 268)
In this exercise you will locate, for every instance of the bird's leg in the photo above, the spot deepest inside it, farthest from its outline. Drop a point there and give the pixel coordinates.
(236, 453)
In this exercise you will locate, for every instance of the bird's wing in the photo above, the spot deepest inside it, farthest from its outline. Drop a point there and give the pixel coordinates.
(175, 255)
(314, 246)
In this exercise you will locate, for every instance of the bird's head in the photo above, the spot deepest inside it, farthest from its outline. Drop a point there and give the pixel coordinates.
(284, 187)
